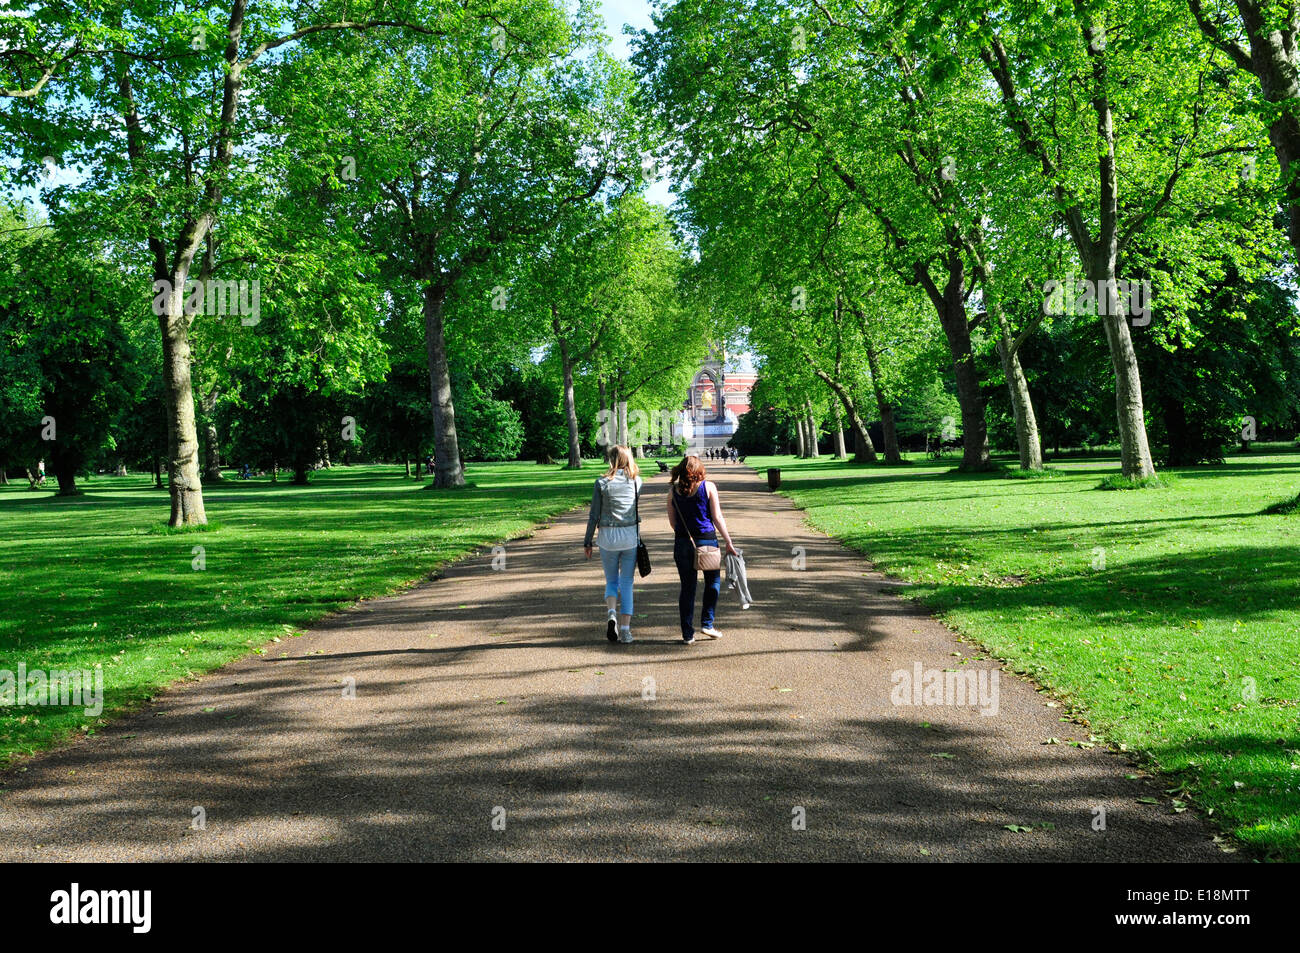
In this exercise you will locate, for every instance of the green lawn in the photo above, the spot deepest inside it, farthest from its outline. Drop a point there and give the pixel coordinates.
(98, 580)
(1185, 647)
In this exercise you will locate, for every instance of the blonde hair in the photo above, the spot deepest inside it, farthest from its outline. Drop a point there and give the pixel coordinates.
(620, 458)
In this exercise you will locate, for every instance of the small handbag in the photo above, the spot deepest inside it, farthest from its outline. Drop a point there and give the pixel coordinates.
(707, 558)
(642, 554)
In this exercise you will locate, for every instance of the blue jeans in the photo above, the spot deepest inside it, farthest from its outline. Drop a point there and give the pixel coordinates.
(684, 557)
(620, 566)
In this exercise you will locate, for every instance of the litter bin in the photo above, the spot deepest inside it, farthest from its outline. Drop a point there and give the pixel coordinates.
(773, 478)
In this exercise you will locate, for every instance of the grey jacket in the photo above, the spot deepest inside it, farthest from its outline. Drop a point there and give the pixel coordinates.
(737, 580)
(613, 503)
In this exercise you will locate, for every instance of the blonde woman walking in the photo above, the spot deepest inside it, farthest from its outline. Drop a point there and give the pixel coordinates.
(614, 509)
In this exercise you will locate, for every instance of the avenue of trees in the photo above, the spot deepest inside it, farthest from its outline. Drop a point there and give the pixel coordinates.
(867, 179)
(285, 234)
(280, 234)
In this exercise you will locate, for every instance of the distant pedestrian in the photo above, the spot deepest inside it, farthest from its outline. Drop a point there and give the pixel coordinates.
(695, 514)
(614, 509)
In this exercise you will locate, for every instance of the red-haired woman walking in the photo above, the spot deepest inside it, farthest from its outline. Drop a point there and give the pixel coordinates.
(695, 514)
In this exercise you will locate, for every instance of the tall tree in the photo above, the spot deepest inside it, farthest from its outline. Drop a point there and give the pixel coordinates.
(466, 152)
(1167, 133)
(178, 142)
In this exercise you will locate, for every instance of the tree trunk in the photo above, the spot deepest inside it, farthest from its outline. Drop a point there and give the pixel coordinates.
(799, 436)
(612, 394)
(184, 485)
(840, 452)
(570, 409)
(1100, 266)
(65, 472)
(407, 461)
(1134, 450)
(186, 488)
(4, 477)
(862, 452)
(157, 474)
(622, 423)
(275, 470)
(812, 431)
(300, 474)
(418, 462)
(950, 304)
(865, 451)
(1098, 256)
(211, 444)
(886, 408)
(1022, 407)
(448, 471)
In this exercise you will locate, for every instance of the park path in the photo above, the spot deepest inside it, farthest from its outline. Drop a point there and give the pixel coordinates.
(494, 694)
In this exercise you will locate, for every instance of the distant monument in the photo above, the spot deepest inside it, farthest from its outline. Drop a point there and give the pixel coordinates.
(718, 397)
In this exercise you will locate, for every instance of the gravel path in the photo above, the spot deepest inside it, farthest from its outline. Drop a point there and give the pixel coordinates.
(491, 698)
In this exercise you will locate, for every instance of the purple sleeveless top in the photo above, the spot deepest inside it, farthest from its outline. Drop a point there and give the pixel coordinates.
(693, 514)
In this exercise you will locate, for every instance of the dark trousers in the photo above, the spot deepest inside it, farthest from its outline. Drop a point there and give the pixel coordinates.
(684, 557)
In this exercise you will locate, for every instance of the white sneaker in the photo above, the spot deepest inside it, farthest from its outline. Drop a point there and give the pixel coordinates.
(711, 632)
(625, 636)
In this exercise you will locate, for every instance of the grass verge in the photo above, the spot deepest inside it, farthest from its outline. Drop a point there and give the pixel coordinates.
(1171, 620)
(100, 581)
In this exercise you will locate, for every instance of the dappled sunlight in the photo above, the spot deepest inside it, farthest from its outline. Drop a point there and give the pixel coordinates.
(1168, 615)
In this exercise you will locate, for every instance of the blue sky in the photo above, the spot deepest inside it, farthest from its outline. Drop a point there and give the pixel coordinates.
(619, 12)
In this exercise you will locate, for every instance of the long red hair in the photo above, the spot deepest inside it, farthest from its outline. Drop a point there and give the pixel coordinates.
(689, 474)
